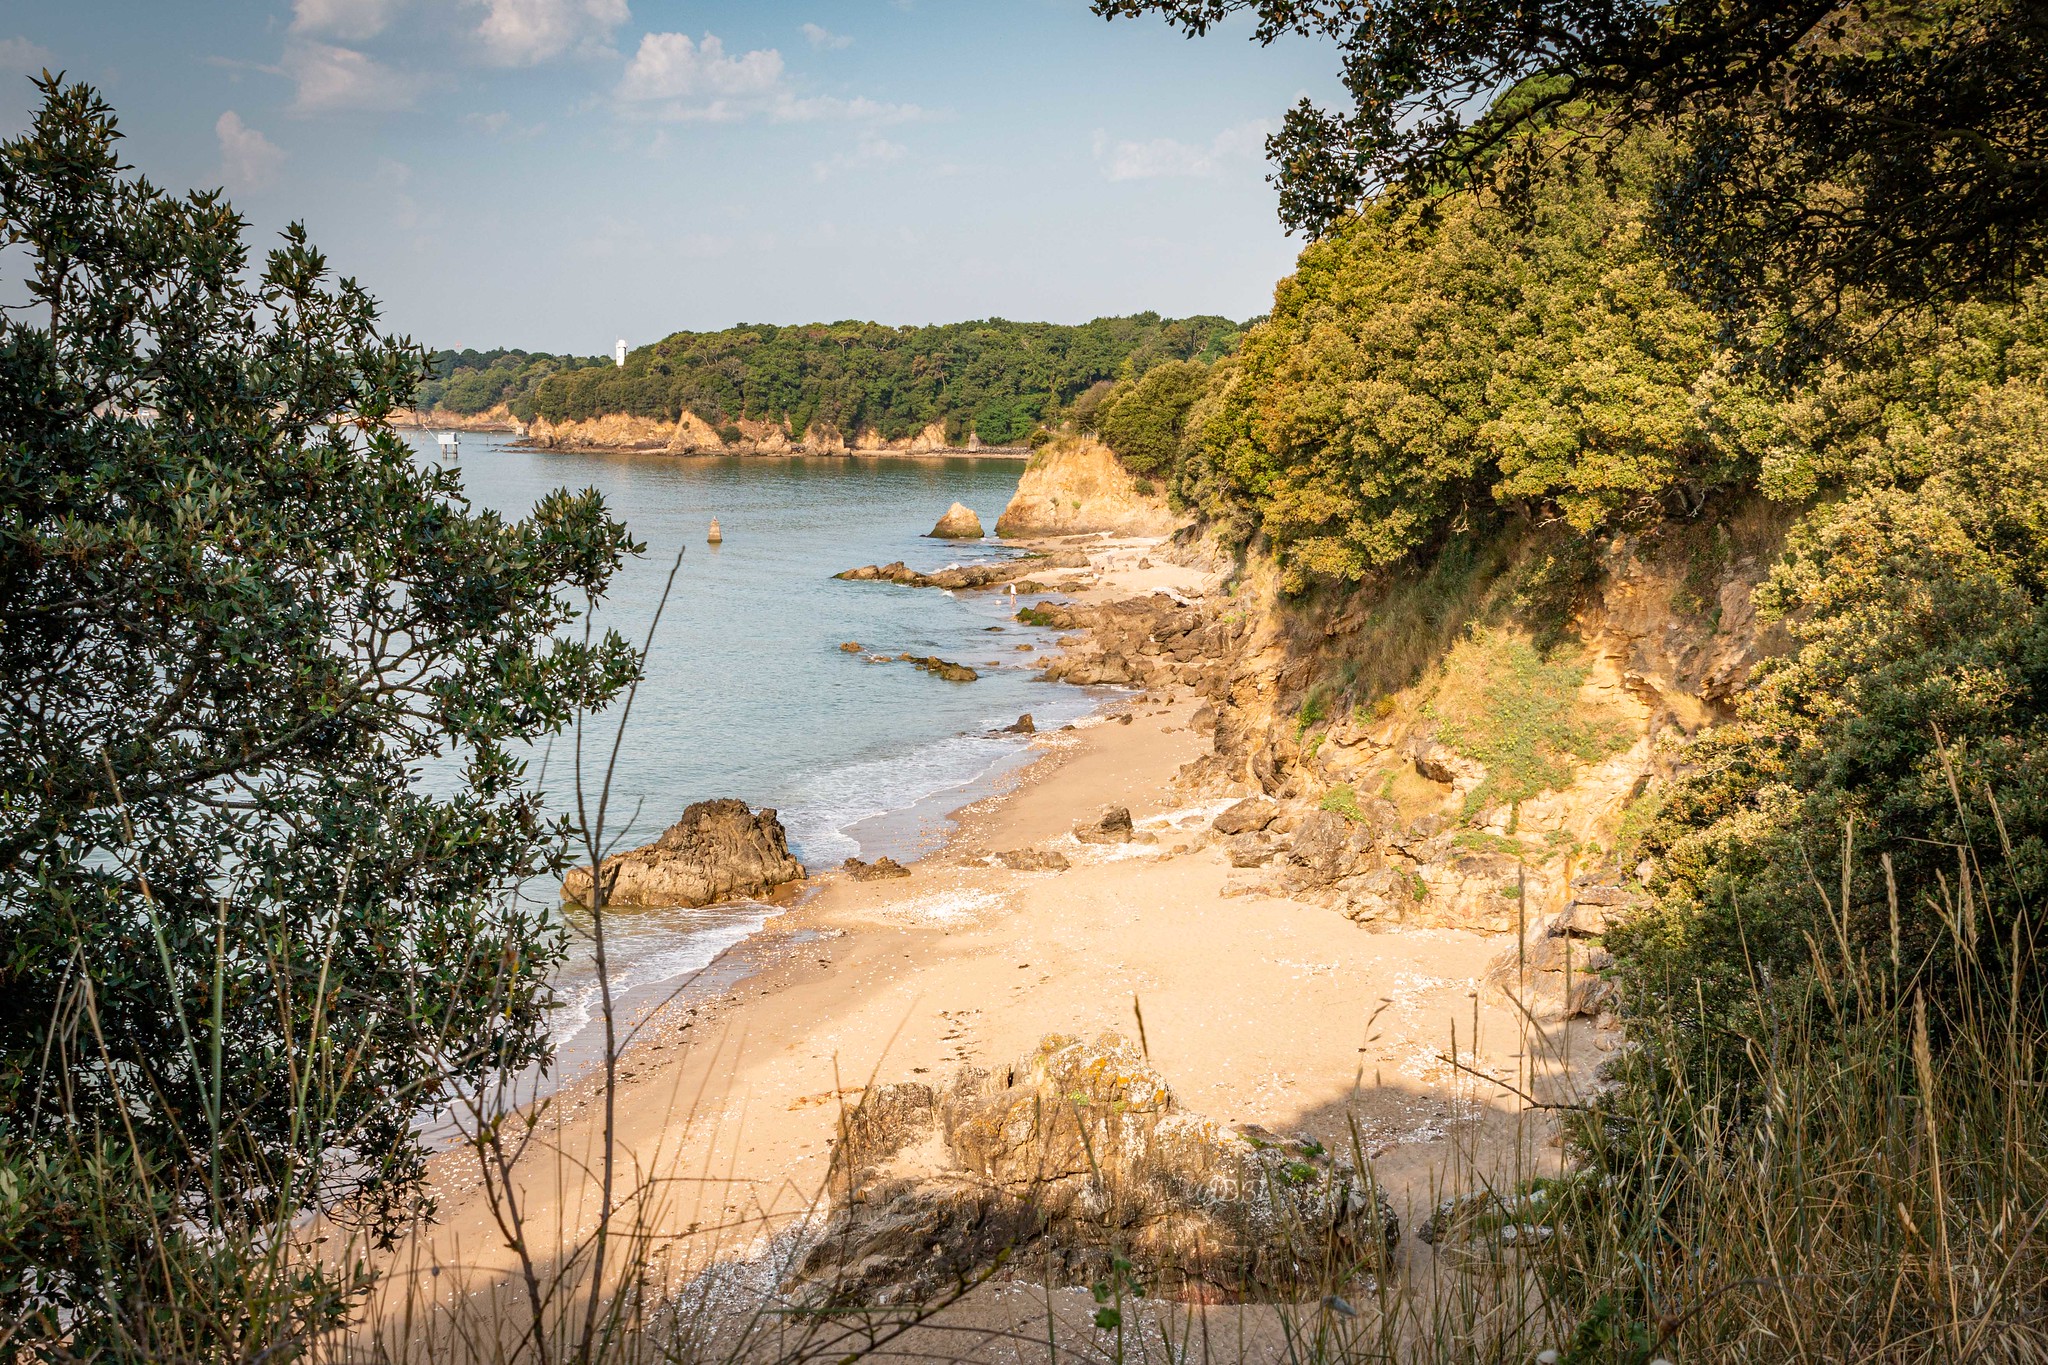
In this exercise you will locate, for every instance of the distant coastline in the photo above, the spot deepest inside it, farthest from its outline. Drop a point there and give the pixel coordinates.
(621, 434)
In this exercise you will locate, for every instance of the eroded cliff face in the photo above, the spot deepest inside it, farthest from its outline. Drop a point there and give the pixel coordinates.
(692, 435)
(1460, 748)
(1075, 486)
(495, 418)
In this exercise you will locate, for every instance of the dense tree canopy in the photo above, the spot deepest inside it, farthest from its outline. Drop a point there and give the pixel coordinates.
(242, 946)
(469, 382)
(995, 378)
(1897, 148)
(1419, 365)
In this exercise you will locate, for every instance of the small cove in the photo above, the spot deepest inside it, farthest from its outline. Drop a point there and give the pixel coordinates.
(748, 693)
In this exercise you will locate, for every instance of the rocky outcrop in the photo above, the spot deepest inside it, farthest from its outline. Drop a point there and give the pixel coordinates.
(1154, 641)
(1076, 485)
(1561, 958)
(1033, 860)
(719, 851)
(959, 523)
(1112, 826)
(962, 575)
(691, 434)
(1075, 1154)
(881, 869)
(1252, 813)
(495, 418)
(940, 668)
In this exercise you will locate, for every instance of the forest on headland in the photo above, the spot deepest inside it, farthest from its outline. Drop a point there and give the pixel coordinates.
(996, 380)
(1695, 257)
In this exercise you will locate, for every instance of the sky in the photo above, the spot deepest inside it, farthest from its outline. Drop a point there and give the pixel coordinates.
(556, 174)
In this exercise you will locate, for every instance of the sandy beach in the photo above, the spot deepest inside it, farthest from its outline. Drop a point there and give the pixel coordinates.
(1257, 1009)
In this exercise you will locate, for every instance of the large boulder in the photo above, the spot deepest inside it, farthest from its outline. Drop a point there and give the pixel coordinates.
(1113, 826)
(1252, 813)
(719, 851)
(1073, 1155)
(959, 523)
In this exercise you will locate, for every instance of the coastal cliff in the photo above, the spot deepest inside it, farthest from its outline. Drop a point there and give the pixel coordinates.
(690, 434)
(498, 417)
(1076, 485)
(1454, 751)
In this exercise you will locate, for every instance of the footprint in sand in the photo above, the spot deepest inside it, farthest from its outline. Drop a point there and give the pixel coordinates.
(960, 1033)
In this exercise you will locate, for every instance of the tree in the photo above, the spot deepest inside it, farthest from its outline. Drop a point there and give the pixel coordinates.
(1419, 366)
(1898, 147)
(243, 946)
(1909, 721)
(1143, 421)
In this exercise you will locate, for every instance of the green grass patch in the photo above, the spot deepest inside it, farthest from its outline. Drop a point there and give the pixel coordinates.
(1486, 841)
(1516, 710)
(1344, 801)
(1315, 709)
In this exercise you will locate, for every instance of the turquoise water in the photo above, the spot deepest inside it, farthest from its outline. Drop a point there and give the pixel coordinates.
(748, 693)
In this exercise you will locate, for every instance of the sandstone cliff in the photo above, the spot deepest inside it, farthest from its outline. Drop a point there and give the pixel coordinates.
(1466, 745)
(496, 418)
(1076, 485)
(692, 435)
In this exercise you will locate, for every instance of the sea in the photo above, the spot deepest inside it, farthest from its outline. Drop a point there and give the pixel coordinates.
(748, 692)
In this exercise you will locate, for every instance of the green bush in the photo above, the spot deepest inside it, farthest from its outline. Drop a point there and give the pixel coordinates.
(1424, 361)
(1143, 420)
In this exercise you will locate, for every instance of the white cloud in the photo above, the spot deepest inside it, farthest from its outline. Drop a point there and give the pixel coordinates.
(818, 36)
(674, 78)
(669, 66)
(349, 20)
(827, 109)
(527, 32)
(1164, 157)
(871, 152)
(332, 79)
(248, 160)
(19, 54)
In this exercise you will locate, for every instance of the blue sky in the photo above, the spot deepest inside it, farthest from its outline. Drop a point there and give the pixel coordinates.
(553, 174)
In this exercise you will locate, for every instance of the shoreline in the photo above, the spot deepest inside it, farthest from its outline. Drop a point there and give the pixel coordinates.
(1012, 453)
(1257, 1008)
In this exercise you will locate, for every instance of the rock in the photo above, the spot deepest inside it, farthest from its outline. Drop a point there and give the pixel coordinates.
(1252, 813)
(962, 575)
(1583, 919)
(1072, 1155)
(1113, 826)
(1025, 725)
(1254, 848)
(851, 647)
(1033, 860)
(1327, 848)
(1077, 485)
(959, 523)
(880, 869)
(1515, 1219)
(1094, 670)
(719, 851)
(1440, 763)
(940, 668)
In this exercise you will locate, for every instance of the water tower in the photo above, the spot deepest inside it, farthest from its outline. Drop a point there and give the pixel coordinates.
(619, 353)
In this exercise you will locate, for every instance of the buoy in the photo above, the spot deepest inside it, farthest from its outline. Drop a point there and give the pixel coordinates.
(715, 535)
